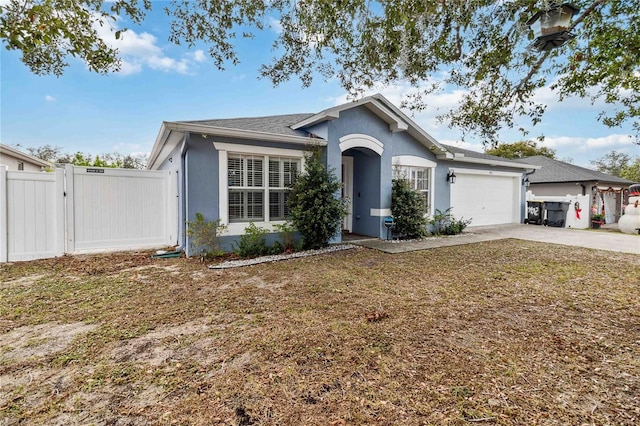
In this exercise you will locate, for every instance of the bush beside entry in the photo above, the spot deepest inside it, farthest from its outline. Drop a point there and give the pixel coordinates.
(408, 210)
(314, 209)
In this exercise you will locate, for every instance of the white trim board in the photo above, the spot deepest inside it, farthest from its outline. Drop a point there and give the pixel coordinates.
(359, 140)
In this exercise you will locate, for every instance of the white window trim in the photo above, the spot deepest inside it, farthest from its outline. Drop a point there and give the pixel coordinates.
(422, 163)
(224, 149)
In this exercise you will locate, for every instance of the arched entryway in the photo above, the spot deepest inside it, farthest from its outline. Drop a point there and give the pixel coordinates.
(361, 174)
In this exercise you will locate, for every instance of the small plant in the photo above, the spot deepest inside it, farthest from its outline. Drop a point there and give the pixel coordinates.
(204, 235)
(253, 242)
(444, 223)
(287, 234)
(456, 226)
(597, 217)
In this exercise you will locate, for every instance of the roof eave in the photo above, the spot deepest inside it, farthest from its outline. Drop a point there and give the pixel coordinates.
(159, 143)
(485, 161)
(241, 133)
(169, 127)
(26, 157)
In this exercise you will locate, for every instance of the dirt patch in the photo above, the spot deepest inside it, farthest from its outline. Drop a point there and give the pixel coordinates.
(253, 281)
(23, 281)
(40, 340)
(507, 332)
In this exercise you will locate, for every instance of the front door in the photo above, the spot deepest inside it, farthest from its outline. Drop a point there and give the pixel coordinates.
(347, 192)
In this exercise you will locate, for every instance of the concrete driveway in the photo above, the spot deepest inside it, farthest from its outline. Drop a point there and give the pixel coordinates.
(599, 240)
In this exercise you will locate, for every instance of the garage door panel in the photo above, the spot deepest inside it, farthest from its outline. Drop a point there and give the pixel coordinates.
(487, 200)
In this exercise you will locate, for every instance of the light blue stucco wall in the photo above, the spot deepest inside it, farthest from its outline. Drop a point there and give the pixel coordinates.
(372, 173)
(202, 179)
(405, 144)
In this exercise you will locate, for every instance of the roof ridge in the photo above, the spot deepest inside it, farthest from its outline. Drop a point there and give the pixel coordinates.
(246, 118)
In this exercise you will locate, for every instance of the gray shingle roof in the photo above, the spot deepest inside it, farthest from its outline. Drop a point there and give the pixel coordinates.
(554, 171)
(474, 154)
(277, 124)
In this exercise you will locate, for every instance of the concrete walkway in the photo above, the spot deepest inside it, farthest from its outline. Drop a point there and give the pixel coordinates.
(599, 240)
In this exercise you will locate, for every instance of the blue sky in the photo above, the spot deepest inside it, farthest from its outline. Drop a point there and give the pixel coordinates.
(122, 112)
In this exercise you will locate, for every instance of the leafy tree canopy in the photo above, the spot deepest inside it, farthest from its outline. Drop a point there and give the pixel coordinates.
(479, 47)
(54, 154)
(619, 164)
(520, 149)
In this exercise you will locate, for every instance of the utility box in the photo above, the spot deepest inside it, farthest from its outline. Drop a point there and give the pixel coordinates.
(556, 213)
(535, 212)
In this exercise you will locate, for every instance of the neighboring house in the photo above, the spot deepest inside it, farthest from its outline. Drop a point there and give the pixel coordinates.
(18, 160)
(239, 169)
(557, 178)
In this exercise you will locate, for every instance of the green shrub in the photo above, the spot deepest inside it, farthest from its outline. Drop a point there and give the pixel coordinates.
(444, 223)
(253, 242)
(287, 235)
(204, 235)
(314, 208)
(408, 210)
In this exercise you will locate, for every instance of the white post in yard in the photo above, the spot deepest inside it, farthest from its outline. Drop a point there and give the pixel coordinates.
(4, 236)
(68, 205)
(59, 213)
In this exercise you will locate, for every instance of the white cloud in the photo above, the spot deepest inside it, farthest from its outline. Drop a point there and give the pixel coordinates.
(199, 56)
(132, 148)
(612, 141)
(49, 98)
(275, 25)
(139, 51)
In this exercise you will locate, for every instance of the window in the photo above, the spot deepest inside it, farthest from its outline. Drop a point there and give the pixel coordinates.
(20, 165)
(419, 178)
(282, 172)
(248, 187)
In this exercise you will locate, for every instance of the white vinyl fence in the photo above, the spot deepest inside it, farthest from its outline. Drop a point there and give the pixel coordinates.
(85, 210)
(582, 210)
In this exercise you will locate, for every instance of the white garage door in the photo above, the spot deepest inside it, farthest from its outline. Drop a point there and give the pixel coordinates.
(486, 199)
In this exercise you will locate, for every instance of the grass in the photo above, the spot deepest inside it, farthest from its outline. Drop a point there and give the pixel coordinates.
(505, 332)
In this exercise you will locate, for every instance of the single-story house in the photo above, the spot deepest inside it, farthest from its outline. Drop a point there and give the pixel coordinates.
(238, 169)
(558, 178)
(18, 160)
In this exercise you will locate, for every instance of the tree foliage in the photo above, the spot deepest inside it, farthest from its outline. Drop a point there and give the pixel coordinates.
(54, 154)
(521, 149)
(314, 209)
(479, 47)
(408, 210)
(619, 164)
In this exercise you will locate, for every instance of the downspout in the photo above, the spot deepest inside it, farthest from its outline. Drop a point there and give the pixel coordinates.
(526, 174)
(183, 202)
(584, 188)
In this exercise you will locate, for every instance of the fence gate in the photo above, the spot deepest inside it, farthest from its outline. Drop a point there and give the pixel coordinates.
(31, 215)
(119, 209)
(85, 210)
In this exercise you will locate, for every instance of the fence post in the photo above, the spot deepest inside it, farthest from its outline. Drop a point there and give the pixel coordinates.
(69, 211)
(4, 235)
(59, 212)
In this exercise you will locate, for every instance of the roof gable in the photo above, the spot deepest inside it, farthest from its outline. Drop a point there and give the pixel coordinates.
(386, 111)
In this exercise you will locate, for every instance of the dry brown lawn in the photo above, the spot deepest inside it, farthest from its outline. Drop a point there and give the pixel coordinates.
(506, 332)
